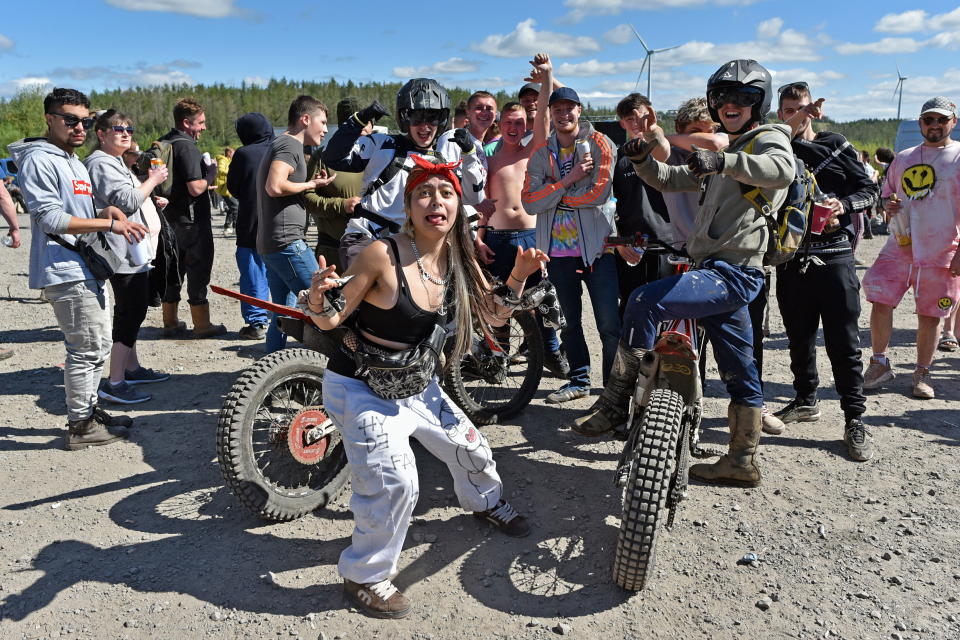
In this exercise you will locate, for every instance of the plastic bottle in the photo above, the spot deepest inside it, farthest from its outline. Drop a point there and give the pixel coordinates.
(900, 223)
(8, 240)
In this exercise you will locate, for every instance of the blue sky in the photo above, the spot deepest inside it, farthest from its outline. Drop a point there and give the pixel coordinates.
(847, 53)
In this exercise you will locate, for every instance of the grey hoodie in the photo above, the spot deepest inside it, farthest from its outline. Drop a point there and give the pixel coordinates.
(727, 227)
(55, 186)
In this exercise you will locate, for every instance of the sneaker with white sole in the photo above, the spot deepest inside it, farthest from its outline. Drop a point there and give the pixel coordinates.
(799, 410)
(378, 599)
(143, 375)
(770, 423)
(122, 393)
(877, 373)
(566, 393)
(505, 517)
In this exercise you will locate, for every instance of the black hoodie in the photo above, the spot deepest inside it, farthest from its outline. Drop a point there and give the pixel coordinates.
(255, 133)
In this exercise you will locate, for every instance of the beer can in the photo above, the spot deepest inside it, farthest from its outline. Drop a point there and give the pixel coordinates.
(583, 148)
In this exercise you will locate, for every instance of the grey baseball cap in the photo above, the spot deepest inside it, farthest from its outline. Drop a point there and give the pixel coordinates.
(530, 86)
(941, 105)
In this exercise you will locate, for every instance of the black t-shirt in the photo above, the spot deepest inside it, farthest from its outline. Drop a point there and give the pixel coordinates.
(640, 207)
(187, 167)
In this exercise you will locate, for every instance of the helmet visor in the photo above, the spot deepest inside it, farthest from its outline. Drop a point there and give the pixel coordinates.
(424, 116)
(737, 96)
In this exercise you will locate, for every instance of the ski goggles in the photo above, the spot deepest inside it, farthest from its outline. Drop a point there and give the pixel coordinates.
(737, 96)
(424, 116)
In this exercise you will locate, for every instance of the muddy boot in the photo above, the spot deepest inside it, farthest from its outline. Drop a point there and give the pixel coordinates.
(737, 467)
(172, 326)
(611, 408)
(92, 432)
(201, 322)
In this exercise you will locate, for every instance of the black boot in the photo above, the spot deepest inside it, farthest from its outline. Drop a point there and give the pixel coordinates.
(111, 420)
(611, 408)
(92, 432)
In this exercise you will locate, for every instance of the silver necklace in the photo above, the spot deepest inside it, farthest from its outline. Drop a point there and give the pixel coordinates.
(423, 272)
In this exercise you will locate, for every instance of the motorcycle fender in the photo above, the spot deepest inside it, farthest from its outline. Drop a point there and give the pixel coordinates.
(681, 375)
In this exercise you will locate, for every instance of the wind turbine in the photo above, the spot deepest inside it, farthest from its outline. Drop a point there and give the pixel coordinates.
(648, 59)
(899, 87)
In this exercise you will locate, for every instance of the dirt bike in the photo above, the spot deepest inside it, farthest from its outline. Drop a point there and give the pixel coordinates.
(283, 457)
(662, 429)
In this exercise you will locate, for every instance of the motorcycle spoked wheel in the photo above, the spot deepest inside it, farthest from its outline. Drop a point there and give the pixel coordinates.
(261, 448)
(490, 388)
(653, 463)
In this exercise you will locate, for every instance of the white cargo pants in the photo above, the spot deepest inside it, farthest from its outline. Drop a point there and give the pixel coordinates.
(376, 435)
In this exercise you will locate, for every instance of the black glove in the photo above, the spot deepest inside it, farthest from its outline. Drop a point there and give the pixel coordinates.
(463, 140)
(705, 163)
(638, 149)
(372, 113)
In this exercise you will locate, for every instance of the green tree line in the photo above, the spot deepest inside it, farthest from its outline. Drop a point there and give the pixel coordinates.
(150, 109)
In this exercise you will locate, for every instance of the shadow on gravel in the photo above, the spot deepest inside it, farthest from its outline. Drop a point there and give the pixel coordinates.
(214, 550)
(944, 423)
(29, 336)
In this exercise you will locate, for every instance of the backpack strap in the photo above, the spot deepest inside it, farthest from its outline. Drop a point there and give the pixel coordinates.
(831, 157)
(398, 164)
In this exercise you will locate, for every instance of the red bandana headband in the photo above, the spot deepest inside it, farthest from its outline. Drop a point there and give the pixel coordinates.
(429, 169)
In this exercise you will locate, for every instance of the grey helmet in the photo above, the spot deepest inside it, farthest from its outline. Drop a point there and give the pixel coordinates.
(422, 93)
(742, 73)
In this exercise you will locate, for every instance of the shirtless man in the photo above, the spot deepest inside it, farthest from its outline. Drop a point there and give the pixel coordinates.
(511, 225)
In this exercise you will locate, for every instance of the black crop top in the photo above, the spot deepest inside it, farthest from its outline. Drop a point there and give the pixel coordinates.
(405, 322)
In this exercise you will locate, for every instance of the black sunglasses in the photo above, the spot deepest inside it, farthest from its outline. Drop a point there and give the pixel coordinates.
(931, 120)
(120, 129)
(72, 121)
(737, 96)
(800, 86)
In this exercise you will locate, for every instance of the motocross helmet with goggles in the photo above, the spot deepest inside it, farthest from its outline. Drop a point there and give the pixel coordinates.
(422, 99)
(743, 83)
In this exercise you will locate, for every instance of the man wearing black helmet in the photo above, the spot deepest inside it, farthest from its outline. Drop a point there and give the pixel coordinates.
(728, 243)
(423, 110)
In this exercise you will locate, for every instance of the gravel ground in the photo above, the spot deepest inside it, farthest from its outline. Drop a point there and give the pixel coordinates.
(141, 539)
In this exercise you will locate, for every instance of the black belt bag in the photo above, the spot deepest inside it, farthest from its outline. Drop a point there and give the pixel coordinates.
(393, 375)
(96, 253)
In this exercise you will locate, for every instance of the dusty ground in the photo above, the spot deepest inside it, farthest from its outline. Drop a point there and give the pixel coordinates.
(141, 540)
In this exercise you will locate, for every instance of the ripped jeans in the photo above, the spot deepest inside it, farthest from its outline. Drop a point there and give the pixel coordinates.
(717, 294)
(383, 472)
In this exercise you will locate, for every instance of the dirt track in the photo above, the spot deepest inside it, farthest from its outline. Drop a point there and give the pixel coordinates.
(141, 540)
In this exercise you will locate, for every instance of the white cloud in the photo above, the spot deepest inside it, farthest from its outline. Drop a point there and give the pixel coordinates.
(620, 34)
(582, 8)
(5, 43)
(594, 67)
(906, 22)
(769, 28)
(147, 78)
(14, 86)
(444, 67)
(524, 40)
(882, 46)
(255, 81)
(816, 79)
(199, 8)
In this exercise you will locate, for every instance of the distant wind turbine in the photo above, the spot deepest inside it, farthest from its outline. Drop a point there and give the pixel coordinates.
(648, 60)
(899, 87)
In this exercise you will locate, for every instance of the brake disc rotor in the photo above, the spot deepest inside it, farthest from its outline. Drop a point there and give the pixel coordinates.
(296, 436)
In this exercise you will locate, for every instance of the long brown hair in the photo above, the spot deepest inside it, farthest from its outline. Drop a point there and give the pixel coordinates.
(465, 281)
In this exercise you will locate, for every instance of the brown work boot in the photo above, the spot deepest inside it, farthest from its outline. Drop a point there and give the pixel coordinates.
(201, 322)
(172, 326)
(737, 468)
(92, 432)
(377, 599)
(611, 408)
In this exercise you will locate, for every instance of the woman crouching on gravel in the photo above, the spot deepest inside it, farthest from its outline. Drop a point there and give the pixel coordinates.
(115, 184)
(406, 289)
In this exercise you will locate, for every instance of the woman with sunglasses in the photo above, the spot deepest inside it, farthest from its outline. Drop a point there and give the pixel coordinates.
(115, 184)
(408, 290)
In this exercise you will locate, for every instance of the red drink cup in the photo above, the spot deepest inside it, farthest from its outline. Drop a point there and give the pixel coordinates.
(820, 214)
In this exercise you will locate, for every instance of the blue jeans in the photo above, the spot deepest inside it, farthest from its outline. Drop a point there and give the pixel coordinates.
(717, 294)
(288, 272)
(569, 275)
(253, 282)
(504, 245)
